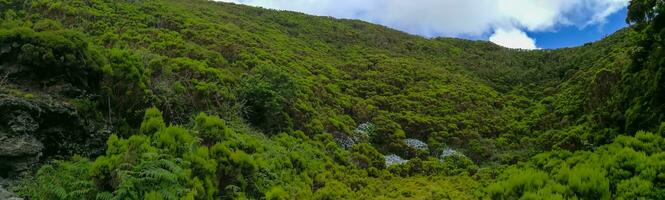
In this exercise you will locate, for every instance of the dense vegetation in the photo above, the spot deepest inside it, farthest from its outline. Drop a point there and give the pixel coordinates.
(171, 99)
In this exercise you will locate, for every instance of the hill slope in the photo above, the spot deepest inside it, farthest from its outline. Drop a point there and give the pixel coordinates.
(209, 100)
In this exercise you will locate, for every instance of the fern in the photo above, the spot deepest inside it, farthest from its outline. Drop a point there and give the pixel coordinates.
(58, 191)
(104, 196)
(160, 175)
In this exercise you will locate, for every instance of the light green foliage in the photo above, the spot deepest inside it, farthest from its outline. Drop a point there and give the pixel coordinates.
(163, 55)
(211, 129)
(629, 168)
(277, 193)
(450, 165)
(152, 122)
(213, 100)
(283, 71)
(172, 162)
(165, 164)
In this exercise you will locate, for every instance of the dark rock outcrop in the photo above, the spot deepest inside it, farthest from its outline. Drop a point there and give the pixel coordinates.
(31, 129)
(18, 154)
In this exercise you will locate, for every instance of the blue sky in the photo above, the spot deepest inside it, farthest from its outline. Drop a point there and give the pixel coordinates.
(525, 24)
(570, 36)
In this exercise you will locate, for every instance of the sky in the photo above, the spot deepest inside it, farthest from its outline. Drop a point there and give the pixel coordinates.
(524, 24)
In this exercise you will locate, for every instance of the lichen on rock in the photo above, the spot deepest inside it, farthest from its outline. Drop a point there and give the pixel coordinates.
(7, 195)
(393, 159)
(416, 144)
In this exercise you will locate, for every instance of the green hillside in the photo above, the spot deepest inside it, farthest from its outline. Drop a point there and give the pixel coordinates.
(175, 99)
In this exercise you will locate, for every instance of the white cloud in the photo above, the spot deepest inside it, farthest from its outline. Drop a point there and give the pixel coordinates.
(471, 18)
(607, 8)
(513, 39)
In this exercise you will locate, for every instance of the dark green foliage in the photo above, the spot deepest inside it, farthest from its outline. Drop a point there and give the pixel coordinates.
(642, 89)
(268, 93)
(62, 180)
(364, 155)
(125, 84)
(49, 57)
(643, 11)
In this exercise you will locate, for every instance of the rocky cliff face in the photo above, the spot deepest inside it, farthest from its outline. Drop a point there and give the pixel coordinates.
(35, 128)
(7, 195)
(44, 77)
